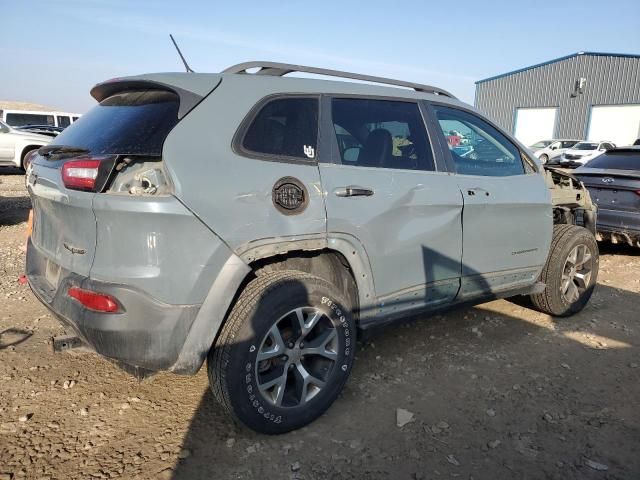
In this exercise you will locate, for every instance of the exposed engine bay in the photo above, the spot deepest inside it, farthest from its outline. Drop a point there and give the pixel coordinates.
(570, 199)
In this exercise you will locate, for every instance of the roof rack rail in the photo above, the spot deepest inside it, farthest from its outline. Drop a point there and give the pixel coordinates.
(281, 69)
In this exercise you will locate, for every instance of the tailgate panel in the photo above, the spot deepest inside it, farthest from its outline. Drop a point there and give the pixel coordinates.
(64, 226)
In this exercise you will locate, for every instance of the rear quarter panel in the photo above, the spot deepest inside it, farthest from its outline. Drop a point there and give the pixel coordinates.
(231, 193)
(155, 244)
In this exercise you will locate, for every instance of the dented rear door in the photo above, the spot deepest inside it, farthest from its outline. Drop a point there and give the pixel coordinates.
(390, 198)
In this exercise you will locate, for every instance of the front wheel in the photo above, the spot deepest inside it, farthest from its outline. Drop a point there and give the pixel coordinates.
(284, 353)
(544, 158)
(570, 273)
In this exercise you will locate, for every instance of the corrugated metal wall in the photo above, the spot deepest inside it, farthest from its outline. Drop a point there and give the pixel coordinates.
(611, 80)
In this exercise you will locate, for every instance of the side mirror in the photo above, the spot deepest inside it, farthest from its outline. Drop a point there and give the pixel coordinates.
(4, 129)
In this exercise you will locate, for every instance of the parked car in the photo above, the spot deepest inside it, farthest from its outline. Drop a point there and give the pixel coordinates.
(582, 152)
(260, 222)
(550, 151)
(613, 180)
(15, 145)
(19, 118)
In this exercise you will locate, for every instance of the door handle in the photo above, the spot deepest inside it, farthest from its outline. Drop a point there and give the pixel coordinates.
(353, 191)
(477, 190)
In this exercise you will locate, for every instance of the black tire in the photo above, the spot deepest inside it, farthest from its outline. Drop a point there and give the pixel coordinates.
(235, 372)
(23, 163)
(553, 300)
(544, 158)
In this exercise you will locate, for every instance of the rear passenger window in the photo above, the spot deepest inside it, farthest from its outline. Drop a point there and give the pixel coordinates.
(286, 127)
(476, 147)
(381, 133)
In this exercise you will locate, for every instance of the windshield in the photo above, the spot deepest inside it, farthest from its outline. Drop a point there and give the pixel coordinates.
(585, 146)
(617, 161)
(133, 123)
(543, 144)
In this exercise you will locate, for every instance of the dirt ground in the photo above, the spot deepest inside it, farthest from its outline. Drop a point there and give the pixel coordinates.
(497, 391)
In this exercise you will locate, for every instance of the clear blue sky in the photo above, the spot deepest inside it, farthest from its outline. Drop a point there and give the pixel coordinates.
(53, 51)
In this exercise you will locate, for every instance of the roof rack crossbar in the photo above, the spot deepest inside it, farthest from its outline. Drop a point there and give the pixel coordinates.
(281, 69)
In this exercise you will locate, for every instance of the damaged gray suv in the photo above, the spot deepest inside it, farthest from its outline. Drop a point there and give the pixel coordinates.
(261, 223)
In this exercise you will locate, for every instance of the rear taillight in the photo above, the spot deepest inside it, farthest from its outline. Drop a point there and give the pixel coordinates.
(80, 174)
(99, 302)
(637, 192)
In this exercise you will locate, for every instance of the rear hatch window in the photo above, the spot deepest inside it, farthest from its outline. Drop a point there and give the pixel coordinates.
(127, 123)
(131, 123)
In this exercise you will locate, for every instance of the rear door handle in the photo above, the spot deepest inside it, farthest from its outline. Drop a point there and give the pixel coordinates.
(353, 191)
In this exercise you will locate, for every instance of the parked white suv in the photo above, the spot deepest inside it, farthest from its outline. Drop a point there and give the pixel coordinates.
(550, 151)
(582, 152)
(16, 144)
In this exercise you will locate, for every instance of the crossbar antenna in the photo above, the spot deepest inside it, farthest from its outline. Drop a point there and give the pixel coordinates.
(186, 65)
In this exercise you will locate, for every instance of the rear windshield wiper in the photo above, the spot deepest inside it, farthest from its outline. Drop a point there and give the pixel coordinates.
(49, 150)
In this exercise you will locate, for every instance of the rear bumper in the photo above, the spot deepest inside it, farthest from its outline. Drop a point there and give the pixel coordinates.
(619, 226)
(148, 333)
(618, 221)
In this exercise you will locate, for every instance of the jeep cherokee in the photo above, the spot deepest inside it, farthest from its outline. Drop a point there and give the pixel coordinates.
(259, 222)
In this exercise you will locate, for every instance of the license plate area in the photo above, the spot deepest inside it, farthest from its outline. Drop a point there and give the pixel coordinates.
(52, 274)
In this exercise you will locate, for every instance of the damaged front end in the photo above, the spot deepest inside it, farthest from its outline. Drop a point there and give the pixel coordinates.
(571, 201)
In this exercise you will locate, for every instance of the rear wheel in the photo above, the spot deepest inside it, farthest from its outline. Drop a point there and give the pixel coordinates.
(285, 352)
(570, 273)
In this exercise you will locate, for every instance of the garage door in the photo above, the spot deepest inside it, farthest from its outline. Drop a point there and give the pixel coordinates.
(617, 123)
(535, 124)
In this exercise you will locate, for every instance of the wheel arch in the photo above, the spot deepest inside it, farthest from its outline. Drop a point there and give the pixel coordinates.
(26, 149)
(329, 259)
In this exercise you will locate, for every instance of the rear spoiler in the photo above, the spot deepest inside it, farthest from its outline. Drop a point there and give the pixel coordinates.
(191, 90)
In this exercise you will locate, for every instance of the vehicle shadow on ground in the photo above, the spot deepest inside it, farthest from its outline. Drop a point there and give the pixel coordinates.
(11, 171)
(14, 210)
(456, 367)
(608, 248)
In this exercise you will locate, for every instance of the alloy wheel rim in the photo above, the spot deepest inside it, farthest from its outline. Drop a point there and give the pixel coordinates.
(296, 357)
(576, 274)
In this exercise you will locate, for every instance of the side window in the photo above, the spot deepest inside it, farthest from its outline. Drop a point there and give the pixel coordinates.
(20, 119)
(64, 122)
(286, 127)
(568, 144)
(476, 147)
(381, 133)
(555, 145)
